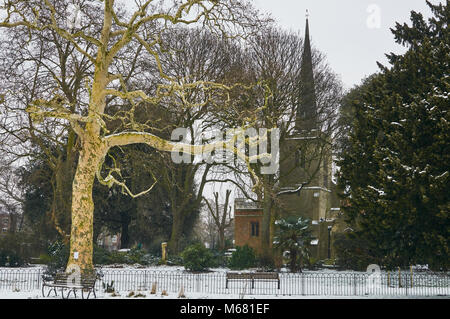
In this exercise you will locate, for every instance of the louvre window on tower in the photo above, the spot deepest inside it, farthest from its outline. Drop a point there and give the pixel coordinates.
(300, 158)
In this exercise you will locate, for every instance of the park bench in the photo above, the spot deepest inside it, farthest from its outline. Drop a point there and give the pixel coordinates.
(257, 276)
(61, 280)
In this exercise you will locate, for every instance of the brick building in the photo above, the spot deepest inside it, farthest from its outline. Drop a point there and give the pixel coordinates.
(247, 224)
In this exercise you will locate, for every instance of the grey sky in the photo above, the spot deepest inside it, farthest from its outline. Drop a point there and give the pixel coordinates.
(339, 29)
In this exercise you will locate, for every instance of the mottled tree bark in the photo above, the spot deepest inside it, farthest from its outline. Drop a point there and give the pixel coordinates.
(102, 52)
(82, 229)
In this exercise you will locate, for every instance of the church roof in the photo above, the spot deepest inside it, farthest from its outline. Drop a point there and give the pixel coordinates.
(307, 106)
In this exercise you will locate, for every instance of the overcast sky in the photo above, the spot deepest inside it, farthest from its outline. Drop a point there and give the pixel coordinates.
(350, 32)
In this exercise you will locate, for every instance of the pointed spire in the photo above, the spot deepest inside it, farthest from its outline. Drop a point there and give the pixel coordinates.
(307, 38)
(307, 108)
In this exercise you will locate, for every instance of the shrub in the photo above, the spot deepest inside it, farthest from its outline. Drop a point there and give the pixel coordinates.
(149, 260)
(352, 253)
(329, 262)
(172, 261)
(101, 256)
(313, 263)
(243, 258)
(219, 259)
(134, 256)
(14, 250)
(3, 258)
(266, 263)
(118, 257)
(59, 255)
(197, 258)
(44, 259)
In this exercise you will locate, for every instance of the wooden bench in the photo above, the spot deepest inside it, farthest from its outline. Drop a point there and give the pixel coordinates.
(257, 276)
(61, 280)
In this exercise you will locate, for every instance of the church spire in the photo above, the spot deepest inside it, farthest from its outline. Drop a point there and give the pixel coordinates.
(307, 106)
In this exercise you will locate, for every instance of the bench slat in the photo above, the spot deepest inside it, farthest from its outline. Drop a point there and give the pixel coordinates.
(253, 277)
(86, 281)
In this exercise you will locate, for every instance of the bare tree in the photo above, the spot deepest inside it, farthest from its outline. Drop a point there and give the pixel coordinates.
(221, 214)
(142, 28)
(200, 56)
(276, 57)
(33, 64)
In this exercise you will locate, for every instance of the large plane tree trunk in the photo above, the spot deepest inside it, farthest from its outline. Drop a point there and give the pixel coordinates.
(82, 229)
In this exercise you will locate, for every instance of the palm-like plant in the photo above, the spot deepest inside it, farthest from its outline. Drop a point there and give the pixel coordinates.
(293, 234)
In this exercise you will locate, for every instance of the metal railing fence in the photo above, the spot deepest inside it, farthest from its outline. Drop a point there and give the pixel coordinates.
(291, 284)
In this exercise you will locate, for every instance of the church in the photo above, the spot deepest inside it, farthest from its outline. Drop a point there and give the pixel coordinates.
(306, 182)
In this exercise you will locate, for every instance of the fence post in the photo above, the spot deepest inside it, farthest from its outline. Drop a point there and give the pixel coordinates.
(302, 276)
(39, 279)
(197, 283)
(145, 279)
(406, 283)
(354, 284)
(412, 277)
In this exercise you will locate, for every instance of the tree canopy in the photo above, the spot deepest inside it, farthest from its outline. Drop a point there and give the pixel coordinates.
(395, 168)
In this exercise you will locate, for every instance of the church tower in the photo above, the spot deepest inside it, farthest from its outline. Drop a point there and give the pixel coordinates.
(306, 117)
(307, 188)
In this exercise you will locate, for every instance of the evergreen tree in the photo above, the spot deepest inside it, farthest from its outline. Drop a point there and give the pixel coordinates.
(293, 234)
(395, 170)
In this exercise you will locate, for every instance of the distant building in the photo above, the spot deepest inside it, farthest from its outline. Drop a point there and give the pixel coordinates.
(110, 242)
(5, 222)
(299, 165)
(247, 224)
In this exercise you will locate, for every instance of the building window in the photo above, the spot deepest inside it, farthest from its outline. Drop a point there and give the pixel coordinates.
(254, 229)
(325, 173)
(300, 158)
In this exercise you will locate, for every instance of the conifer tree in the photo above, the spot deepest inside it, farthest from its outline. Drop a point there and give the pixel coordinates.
(395, 170)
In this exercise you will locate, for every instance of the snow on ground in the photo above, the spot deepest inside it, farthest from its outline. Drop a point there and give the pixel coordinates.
(25, 283)
(36, 294)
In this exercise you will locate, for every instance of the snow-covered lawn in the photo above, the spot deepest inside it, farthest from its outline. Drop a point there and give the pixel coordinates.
(36, 294)
(27, 283)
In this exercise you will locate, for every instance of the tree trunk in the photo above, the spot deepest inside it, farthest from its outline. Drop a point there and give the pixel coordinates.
(62, 192)
(62, 197)
(293, 260)
(177, 231)
(125, 235)
(265, 227)
(222, 239)
(82, 230)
